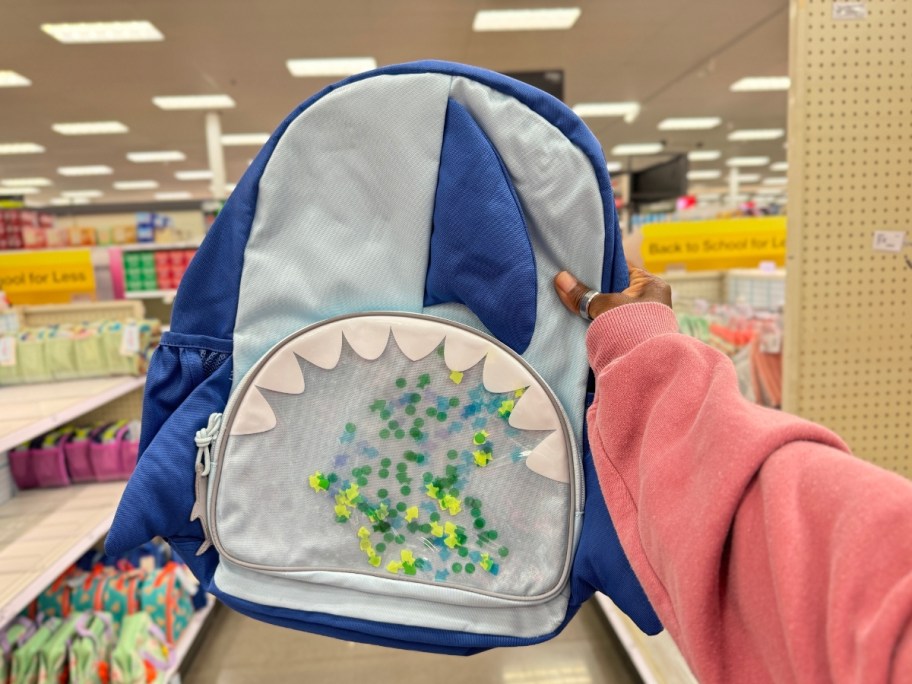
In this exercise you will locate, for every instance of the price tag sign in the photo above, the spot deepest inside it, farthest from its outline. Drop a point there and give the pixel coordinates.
(129, 342)
(7, 350)
(889, 240)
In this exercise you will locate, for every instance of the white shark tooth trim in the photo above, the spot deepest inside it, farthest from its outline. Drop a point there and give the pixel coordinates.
(463, 351)
(254, 415)
(534, 411)
(549, 458)
(368, 337)
(322, 347)
(417, 338)
(503, 374)
(282, 373)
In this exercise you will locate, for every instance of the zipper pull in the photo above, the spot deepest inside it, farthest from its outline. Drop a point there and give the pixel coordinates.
(204, 439)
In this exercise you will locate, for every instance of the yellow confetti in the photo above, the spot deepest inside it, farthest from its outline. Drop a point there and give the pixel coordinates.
(363, 533)
(456, 377)
(352, 492)
(518, 393)
(343, 512)
(366, 545)
(315, 481)
(432, 490)
(482, 458)
(375, 560)
(411, 513)
(485, 561)
(406, 556)
(394, 567)
(451, 504)
(436, 529)
(506, 407)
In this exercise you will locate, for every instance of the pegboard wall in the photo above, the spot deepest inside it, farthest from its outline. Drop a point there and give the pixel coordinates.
(848, 355)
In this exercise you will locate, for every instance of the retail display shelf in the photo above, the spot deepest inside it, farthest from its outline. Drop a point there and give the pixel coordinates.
(656, 658)
(149, 246)
(151, 294)
(185, 643)
(27, 411)
(43, 532)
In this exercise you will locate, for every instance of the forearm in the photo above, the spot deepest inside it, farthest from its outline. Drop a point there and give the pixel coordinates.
(706, 515)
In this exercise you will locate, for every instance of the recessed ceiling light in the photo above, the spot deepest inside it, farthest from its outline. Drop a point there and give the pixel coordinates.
(748, 177)
(756, 134)
(26, 182)
(588, 110)
(703, 155)
(548, 19)
(176, 102)
(136, 185)
(614, 166)
(696, 123)
(21, 148)
(84, 194)
(90, 128)
(775, 180)
(157, 156)
(12, 79)
(67, 201)
(761, 83)
(15, 192)
(202, 174)
(747, 161)
(779, 166)
(98, 170)
(330, 68)
(104, 32)
(636, 148)
(181, 195)
(239, 139)
(707, 174)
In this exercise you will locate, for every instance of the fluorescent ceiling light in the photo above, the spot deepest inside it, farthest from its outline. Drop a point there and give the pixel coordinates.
(614, 166)
(12, 79)
(15, 192)
(21, 148)
(629, 110)
(26, 182)
(202, 174)
(756, 134)
(703, 155)
(747, 161)
(182, 195)
(760, 83)
(90, 128)
(550, 19)
(775, 180)
(697, 123)
(104, 32)
(708, 174)
(239, 139)
(98, 170)
(157, 156)
(779, 166)
(748, 177)
(770, 191)
(81, 194)
(330, 68)
(176, 102)
(636, 148)
(67, 201)
(136, 185)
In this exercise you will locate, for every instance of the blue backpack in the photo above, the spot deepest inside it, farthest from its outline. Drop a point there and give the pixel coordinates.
(368, 418)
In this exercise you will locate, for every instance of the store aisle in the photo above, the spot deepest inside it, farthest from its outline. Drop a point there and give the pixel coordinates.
(238, 650)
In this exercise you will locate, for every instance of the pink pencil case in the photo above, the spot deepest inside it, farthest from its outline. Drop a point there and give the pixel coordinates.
(113, 451)
(76, 450)
(22, 467)
(49, 461)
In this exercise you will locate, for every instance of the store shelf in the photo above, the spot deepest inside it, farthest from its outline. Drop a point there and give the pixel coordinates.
(656, 658)
(151, 294)
(185, 643)
(27, 411)
(150, 246)
(43, 532)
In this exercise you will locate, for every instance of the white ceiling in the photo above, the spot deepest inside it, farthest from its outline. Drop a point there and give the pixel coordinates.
(677, 59)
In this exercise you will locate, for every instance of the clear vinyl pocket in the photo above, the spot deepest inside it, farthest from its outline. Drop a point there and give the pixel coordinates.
(401, 457)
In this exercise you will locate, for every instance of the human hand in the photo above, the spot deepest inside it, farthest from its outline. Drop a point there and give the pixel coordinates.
(644, 287)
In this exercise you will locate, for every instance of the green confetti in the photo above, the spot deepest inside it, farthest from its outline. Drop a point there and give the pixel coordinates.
(419, 423)
(400, 433)
(410, 410)
(431, 411)
(492, 534)
(457, 567)
(388, 537)
(479, 523)
(463, 551)
(469, 568)
(402, 466)
(385, 414)
(400, 383)
(424, 380)
(427, 477)
(393, 424)
(350, 427)
(362, 481)
(385, 462)
(382, 493)
(384, 433)
(401, 506)
(452, 454)
(414, 398)
(383, 472)
(503, 552)
(415, 433)
(381, 547)
(366, 470)
(435, 517)
(475, 512)
(406, 490)
(400, 539)
(441, 416)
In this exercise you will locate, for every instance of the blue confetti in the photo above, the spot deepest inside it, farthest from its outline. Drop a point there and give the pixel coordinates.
(475, 556)
(516, 455)
(347, 437)
(444, 551)
(340, 460)
(455, 427)
(441, 575)
(479, 422)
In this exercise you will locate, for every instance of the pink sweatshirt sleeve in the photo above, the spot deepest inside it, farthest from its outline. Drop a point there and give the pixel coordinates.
(769, 552)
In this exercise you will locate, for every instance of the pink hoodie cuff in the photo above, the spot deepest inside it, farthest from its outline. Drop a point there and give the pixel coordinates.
(616, 332)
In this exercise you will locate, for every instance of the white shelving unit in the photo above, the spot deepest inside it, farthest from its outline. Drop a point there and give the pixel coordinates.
(167, 295)
(27, 411)
(656, 658)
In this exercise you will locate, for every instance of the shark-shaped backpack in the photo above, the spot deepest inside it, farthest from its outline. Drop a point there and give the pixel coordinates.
(368, 418)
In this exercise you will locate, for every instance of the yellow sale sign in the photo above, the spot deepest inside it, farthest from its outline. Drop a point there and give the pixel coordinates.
(714, 245)
(46, 277)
